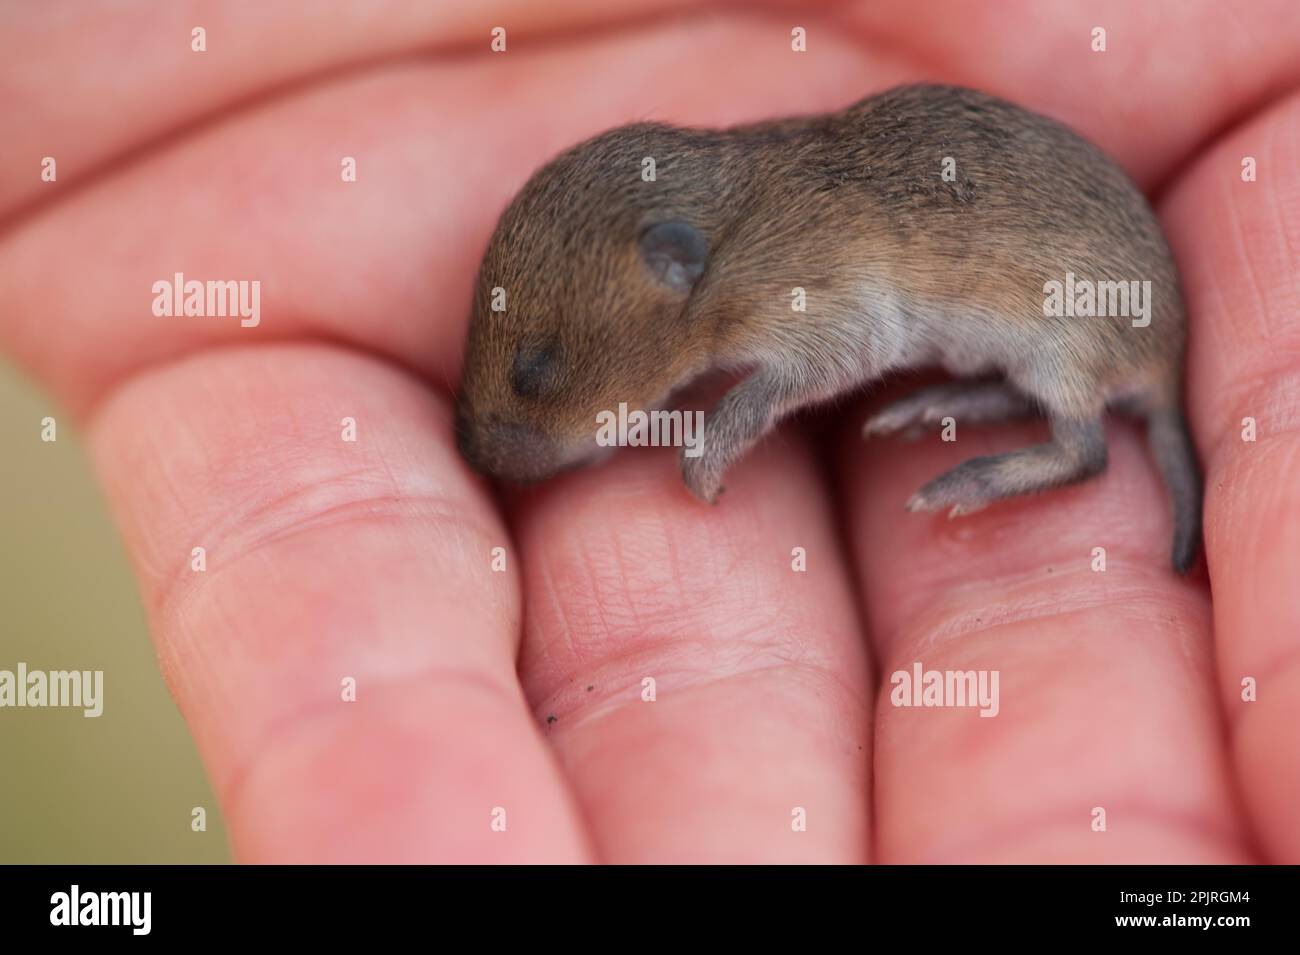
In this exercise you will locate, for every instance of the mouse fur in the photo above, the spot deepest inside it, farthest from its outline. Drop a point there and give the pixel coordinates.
(617, 289)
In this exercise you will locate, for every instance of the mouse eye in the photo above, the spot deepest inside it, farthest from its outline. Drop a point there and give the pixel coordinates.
(535, 369)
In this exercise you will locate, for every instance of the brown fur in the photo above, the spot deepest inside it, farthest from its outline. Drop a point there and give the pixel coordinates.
(901, 269)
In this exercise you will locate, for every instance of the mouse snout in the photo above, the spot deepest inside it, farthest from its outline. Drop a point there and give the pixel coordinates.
(508, 449)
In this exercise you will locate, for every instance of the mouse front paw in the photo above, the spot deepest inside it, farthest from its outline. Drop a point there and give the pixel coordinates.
(703, 476)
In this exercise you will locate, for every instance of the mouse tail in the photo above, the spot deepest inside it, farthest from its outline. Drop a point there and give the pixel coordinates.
(1171, 447)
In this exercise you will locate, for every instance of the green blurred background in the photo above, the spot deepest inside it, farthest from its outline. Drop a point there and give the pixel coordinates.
(121, 787)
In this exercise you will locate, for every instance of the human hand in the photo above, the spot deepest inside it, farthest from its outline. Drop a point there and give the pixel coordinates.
(372, 559)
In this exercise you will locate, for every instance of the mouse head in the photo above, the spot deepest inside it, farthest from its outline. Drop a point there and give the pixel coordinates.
(582, 303)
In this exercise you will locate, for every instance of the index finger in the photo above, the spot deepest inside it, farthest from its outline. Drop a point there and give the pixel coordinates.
(326, 610)
(1238, 242)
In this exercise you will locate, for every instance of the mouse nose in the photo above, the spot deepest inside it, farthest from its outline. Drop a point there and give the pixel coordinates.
(507, 449)
(524, 446)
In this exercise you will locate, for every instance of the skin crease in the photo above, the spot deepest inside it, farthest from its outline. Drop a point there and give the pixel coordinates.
(369, 560)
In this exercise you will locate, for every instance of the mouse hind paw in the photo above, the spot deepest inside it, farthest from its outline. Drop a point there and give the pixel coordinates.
(1077, 451)
(966, 402)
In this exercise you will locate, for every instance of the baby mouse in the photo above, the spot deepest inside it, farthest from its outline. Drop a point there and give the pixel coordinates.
(927, 226)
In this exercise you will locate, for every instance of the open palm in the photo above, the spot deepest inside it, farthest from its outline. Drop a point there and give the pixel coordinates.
(524, 689)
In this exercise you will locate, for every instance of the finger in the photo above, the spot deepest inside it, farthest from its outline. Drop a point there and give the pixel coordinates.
(327, 561)
(1177, 52)
(438, 205)
(261, 50)
(247, 50)
(259, 197)
(1238, 247)
(1105, 700)
(708, 699)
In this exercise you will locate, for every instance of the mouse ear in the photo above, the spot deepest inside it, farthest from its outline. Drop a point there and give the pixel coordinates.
(674, 252)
